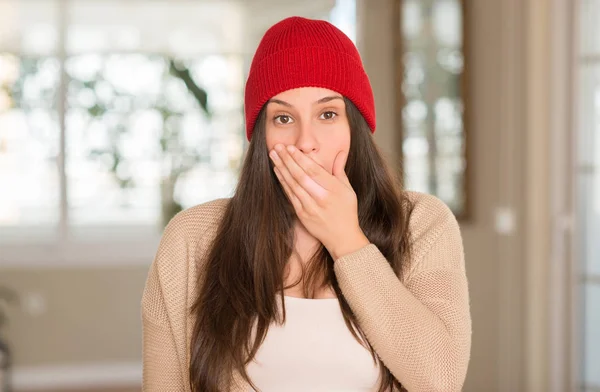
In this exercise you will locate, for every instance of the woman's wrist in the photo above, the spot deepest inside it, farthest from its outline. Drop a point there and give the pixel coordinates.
(349, 245)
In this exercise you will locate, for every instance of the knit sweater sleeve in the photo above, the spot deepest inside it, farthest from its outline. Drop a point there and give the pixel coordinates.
(162, 370)
(419, 328)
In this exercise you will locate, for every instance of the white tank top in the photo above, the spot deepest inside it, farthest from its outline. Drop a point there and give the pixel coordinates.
(313, 351)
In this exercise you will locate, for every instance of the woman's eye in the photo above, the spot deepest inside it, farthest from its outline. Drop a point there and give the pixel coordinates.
(328, 115)
(283, 119)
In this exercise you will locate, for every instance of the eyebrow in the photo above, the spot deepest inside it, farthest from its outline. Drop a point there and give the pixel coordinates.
(322, 100)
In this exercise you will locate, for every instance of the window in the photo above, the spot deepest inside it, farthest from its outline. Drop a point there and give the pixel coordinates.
(588, 189)
(114, 90)
(432, 67)
(116, 115)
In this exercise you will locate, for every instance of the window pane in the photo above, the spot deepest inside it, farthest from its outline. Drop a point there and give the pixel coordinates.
(433, 128)
(589, 27)
(591, 367)
(416, 161)
(449, 177)
(29, 141)
(589, 169)
(588, 193)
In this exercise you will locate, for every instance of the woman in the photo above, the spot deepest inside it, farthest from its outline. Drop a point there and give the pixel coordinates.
(320, 273)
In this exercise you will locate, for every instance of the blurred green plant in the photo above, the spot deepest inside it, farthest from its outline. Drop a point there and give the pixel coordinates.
(177, 158)
(7, 297)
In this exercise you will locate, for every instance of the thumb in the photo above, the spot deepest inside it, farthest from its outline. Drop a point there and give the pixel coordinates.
(339, 164)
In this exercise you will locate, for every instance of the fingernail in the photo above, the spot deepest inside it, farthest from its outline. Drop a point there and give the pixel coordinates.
(279, 147)
(273, 155)
(291, 149)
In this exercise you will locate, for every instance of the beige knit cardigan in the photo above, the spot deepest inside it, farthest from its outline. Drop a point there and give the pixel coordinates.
(419, 326)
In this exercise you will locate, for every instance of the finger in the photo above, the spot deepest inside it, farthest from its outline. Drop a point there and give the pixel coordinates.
(307, 173)
(311, 168)
(293, 199)
(305, 198)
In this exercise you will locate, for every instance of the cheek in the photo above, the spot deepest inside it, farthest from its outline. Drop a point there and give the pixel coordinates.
(340, 140)
(335, 145)
(273, 137)
(272, 140)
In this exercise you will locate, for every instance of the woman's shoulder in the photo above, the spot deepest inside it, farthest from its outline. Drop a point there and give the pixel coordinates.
(428, 212)
(188, 233)
(195, 222)
(432, 223)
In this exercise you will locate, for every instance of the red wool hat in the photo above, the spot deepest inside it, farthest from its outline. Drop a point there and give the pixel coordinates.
(299, 52)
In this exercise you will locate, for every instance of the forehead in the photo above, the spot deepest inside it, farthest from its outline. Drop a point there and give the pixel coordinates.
(311, 94)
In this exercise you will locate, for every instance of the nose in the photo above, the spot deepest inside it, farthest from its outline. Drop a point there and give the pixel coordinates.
(306, 140)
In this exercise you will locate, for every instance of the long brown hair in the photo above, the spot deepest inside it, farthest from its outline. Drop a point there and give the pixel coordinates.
(245, 268)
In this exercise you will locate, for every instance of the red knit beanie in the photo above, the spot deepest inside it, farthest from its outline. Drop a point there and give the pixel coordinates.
(299, 52)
